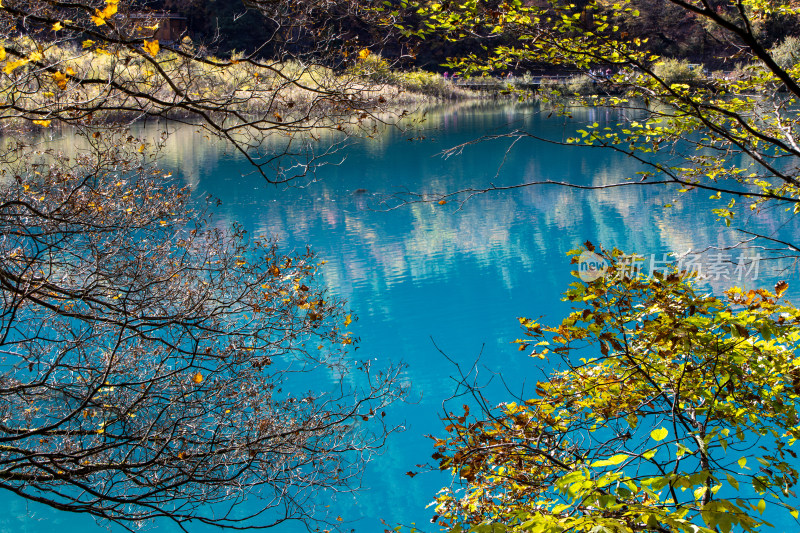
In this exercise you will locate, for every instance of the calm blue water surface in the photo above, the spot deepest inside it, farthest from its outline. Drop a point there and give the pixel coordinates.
(457, 277)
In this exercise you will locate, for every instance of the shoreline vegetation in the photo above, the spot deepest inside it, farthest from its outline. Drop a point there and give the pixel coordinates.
(293, 95)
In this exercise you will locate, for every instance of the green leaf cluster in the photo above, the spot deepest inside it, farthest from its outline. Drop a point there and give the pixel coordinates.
(731, 132)
(670, 410)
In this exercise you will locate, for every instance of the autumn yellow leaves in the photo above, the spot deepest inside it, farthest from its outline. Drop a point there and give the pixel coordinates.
(15, 56)
(100, 17)
(12, 65)
(151, 47)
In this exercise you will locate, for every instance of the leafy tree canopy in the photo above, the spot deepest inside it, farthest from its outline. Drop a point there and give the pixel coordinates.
(733, 134)
(670, 410)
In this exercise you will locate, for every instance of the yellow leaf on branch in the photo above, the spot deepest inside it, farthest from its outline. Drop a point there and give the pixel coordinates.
(151, 47)
(42, 123)
(100, 17)
(659, 434)
(13, 65)
(611, 461)
(110, 9)
(60, 79)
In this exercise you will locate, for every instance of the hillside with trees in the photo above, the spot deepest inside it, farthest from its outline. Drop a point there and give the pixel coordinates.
(670, 31)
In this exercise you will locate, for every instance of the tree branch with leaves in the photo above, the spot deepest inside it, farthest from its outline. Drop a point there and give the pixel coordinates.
(95, 61)
(735, 134)
(148, 360)
(668, 410)
(155, 364)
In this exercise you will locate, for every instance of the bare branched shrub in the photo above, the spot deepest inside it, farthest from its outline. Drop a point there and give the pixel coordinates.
(154, 364)
(147, 355)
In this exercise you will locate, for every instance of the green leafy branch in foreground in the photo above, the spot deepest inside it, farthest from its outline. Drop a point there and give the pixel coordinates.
(735, 134)
(673, 410)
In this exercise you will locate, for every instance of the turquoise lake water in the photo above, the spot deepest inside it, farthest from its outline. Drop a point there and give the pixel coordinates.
(453, 276)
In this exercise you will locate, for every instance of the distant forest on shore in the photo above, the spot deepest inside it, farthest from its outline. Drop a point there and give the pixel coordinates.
(226, 26)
